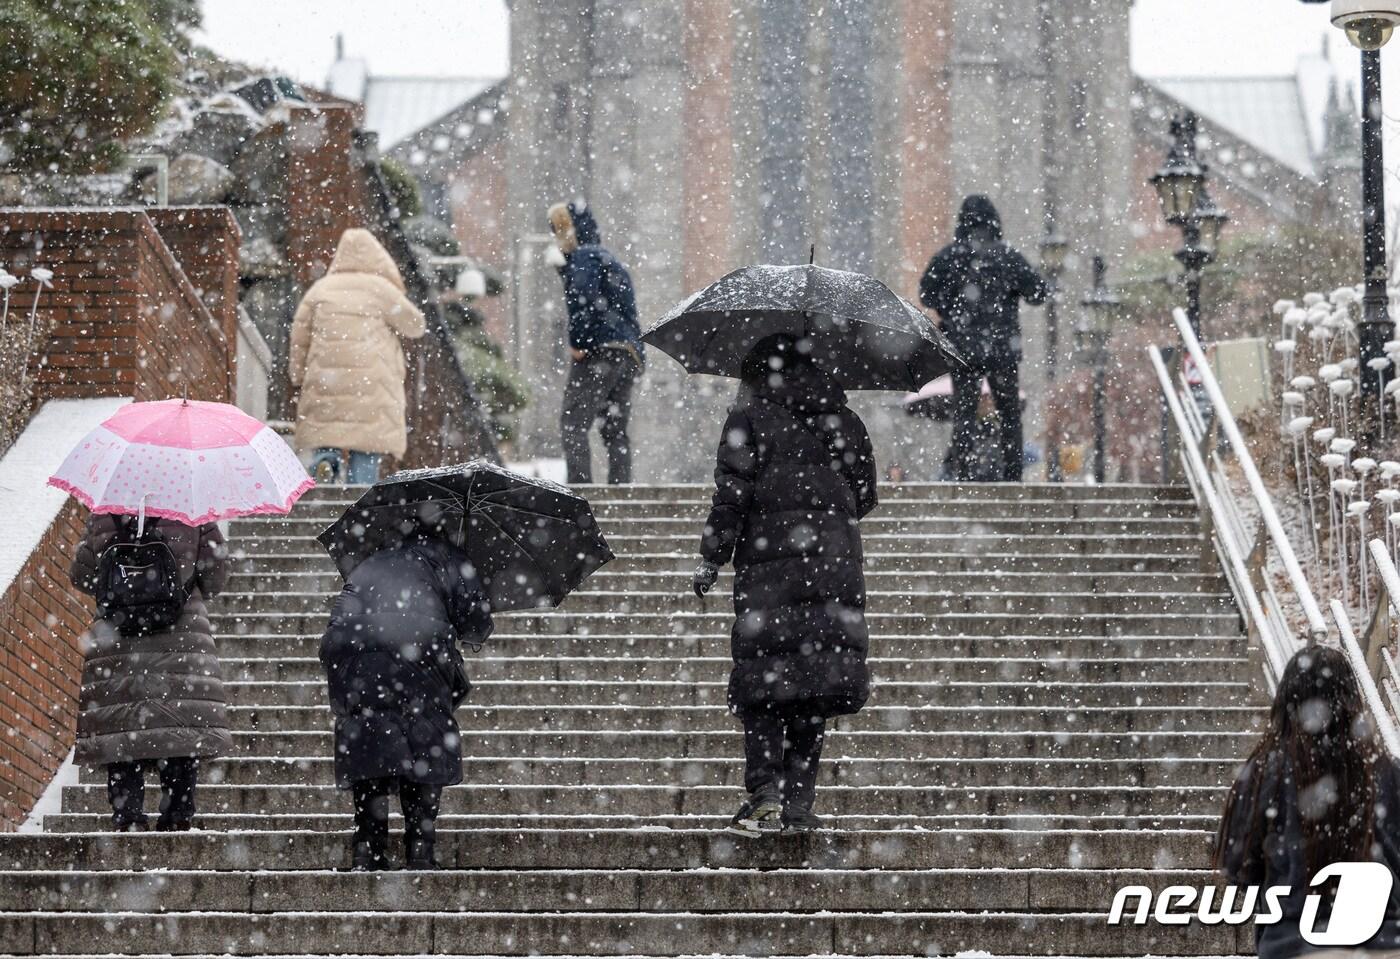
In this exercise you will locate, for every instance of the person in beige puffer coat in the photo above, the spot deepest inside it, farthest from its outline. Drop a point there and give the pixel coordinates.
(346, 358)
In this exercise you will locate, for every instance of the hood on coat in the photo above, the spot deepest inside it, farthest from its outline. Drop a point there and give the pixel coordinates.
(978, 216)
(777, 370)
(573, 225)
(359, 252)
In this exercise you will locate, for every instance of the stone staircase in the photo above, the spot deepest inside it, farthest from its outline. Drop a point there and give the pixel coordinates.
(1063, 693)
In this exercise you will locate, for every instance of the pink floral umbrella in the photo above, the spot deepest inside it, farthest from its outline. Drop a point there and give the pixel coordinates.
(185, 460)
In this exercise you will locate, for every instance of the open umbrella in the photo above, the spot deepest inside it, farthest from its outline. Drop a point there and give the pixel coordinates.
(186, 460)
(857, 329)
(531, 542)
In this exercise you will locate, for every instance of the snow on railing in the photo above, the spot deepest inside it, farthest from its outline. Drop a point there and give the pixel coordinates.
(1244, 551)
(1385, 718)
(1229, 525)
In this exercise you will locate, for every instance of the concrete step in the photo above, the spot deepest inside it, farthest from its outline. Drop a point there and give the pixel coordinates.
(608, 580)
(673, 744)
(344, 822)
(721, 621)
(773, 932)
(504, 642)
(697, 507)
(716, 669)
(577, 890)
(876, 545)
(952, 719)
(658, 693)
(919, 492)
(625, 849)
(729, 771)
(670, 524)
(992, 561)
(932, 603)
(711, 800)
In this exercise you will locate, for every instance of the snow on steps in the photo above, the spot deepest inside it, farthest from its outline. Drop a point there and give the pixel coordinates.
(1062, 691)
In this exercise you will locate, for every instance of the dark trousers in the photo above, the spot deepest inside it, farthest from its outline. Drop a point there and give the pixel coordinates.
(418, 801)
(781, 752)
(126, 790)
(1004, 381)
(599, 387)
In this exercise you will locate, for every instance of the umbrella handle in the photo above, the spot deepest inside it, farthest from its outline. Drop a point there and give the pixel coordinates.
(141, 517)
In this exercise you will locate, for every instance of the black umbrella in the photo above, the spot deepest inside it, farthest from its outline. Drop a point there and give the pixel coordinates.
(857, 329)
(530, 541)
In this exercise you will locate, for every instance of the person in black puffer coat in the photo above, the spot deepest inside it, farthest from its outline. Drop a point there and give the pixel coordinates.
(976, 284)
(395, 675)
(794, 474)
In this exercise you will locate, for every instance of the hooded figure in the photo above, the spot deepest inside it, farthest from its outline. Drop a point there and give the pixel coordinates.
(395, 675)
(156, 698)
(346, 357)
(605, 345)
(794, 474)
(976, 285)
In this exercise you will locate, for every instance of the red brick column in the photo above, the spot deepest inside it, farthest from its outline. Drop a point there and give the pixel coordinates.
(41, 662)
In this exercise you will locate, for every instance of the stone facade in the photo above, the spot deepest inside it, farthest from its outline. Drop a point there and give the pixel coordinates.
(712, 133)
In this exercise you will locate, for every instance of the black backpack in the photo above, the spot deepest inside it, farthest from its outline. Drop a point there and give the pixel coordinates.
(139, 589)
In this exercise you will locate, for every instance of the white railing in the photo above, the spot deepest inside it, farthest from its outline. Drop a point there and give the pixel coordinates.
(1375, 644)
(1375, 705)
(1243, 534)
(1244, 544)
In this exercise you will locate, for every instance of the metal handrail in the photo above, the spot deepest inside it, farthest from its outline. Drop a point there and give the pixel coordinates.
(1385, 721)
(1278, 537)
(1236, 568)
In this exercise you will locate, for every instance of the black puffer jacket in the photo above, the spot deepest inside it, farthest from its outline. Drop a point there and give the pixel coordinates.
(976, 284)
(391, 659)
(159, 695)
(794, 474)
(1273, 856)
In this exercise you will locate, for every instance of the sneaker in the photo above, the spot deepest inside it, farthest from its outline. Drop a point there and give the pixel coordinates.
(132, 825)
(759, 816)
(801, 820)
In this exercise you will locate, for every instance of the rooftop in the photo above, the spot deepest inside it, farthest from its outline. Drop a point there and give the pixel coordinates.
(396, 107)
(1268, 112)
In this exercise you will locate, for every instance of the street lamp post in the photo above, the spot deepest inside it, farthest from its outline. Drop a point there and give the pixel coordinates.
(1368, 25)
(1186, 204)
(1092, 334)
(1053, 248)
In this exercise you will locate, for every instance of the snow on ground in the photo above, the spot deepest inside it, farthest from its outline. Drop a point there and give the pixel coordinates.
(51, 802)
(27, 502)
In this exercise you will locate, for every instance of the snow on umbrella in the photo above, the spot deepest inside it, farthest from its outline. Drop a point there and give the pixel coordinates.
(531, 542)
(186, 460)
(858, 329)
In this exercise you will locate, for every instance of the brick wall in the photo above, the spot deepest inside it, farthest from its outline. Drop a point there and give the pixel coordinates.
(323, 189)
(127, 321)
(41, 661)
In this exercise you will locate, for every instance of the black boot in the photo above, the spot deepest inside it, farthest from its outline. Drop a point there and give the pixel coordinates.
(419, 854)
(364, 857)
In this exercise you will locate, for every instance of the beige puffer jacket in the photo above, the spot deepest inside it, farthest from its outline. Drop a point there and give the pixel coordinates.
(345, 352)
